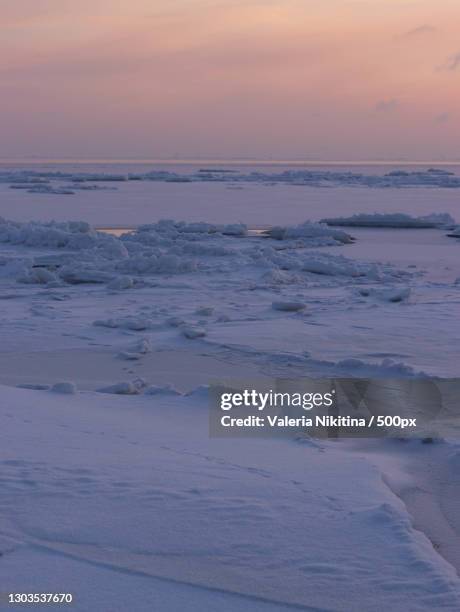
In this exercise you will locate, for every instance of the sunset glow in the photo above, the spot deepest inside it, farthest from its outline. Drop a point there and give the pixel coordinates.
(284, 79)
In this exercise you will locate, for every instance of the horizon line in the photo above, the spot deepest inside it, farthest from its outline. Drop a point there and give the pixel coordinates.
(216, 160)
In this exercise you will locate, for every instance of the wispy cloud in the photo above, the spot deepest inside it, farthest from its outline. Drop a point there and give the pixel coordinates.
(385, 106)
(442, 117)
(419, 31)
(453, 62)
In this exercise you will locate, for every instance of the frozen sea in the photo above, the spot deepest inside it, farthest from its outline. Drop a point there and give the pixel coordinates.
(340, 323)
(111, 487)
(273, 194)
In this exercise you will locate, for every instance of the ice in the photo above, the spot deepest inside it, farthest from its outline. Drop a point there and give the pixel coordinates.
(395, 295)
(142, 346)
(150, 263)
(391, 294)
(279, 277)
(394, 220)
(235, 229)
(162, 390)
(93, 177)
(42, 276)
(400, 179)
(121, 283)
(204, 311)
(315, 262)
(439, 219)
(131, 323)
(76, 275)
(134, 323)
(72, 235)
(288, 306)
(129, 356)
(15, 268)
(159, 496)
(193, 331)
(318, 233)
(329, 265)
(110, 323)
(175, 321)
(24, 271)
(255, 272)
(386, 369)
(67, 388)
(35, 387)
(121, 388)
(191, 228)
(46, 189)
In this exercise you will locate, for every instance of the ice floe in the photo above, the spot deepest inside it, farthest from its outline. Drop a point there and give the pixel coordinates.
(455, 233)
(164, 248)
(392, 220)
(56, 180)
(67, 388)
(311, 231)
(193, 331)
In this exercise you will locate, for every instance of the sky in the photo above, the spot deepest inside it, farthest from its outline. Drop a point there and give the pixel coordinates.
(221, 79)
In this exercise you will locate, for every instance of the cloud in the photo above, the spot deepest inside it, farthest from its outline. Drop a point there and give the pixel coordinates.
(442, 117)
(453, 62)
(421, 30)
(385, 106)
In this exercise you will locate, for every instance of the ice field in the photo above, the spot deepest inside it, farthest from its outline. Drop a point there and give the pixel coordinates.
(110, 482)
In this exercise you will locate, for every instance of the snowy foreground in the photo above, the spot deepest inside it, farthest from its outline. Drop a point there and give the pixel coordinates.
(111, 486)
(126, 502)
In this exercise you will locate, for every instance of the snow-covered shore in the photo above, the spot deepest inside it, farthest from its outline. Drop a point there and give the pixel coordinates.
(135, 485)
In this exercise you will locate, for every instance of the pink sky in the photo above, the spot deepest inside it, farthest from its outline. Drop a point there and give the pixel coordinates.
(283, 79)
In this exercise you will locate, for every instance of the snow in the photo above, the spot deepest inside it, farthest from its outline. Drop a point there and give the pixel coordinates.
(312, 231)
(142, 346)
(193, 332)
(132, 323)
(129, 356)
(245, 518)
(121, 283)
(395, 220)
(121, 388)
(76, 275)
(111, 485)
(388, 295)
(52, 180)
(162, 390)
(204, 311)
(132, 590)
(73, 235)
(288, 306)
(353, 296)
(262, 199)
(68, 388)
